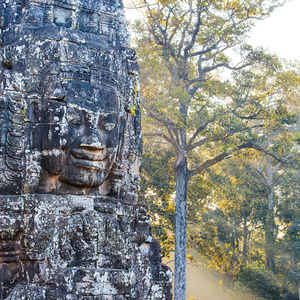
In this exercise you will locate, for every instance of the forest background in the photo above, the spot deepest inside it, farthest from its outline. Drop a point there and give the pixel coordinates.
(243, 209)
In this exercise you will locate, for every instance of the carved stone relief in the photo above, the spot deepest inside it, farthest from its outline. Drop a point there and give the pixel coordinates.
(70, 147)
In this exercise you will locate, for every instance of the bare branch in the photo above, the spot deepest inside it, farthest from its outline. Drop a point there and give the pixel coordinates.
(225, 154)
(196, 144)
(174, 138)
(199, 129)
(209, 69)
(276, 167)
(207, 164)
(163, 31)
(157, 134)
(263, 179)
(249, 117)
(213, 47)
(195, 33)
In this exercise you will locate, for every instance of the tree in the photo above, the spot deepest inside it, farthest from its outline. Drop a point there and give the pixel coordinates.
(182, 45)
(237, 211)
(267, 176)
(239, 198)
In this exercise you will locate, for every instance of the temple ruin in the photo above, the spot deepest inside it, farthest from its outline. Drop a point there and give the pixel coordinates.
(70, 148)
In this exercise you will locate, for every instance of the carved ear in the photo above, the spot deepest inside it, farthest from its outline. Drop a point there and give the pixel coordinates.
(53, 160)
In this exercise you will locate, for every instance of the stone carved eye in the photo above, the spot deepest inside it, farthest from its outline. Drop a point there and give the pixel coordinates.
(108, 123)
(109, 126)
(75, 117)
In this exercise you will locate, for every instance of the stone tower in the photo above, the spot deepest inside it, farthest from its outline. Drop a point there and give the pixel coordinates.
(70, 146)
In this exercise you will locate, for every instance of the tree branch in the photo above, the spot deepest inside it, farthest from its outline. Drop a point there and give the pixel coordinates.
(207, 164)
(225, 154)
(195, 33)
(157, 134)
(199, 129)
(162, 31)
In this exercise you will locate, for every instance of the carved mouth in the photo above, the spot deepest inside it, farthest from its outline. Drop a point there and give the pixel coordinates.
(89, 164)
(87, 159)
(88, 155)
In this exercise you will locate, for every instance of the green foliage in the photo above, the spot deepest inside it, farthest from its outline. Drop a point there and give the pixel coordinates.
(206, 238)
(260, 281)
(157, 188)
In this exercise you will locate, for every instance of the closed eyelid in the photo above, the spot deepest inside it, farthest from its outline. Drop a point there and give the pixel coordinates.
(108, 122)
(109, 126)
(75, 116)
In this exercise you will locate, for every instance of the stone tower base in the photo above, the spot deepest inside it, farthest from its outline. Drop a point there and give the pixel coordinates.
(74, 247)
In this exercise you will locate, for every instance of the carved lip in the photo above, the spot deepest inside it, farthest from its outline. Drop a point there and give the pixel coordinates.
(87, 159)
(89, 164)
(88, 155)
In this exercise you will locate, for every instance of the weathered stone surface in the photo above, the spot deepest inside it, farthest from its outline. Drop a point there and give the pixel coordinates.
(63, 246)
(68, 81)
(70, 146)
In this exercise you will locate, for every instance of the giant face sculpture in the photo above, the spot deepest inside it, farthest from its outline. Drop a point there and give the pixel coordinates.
(66, 91)
(90, 147)
(76, 125)
(80, 149)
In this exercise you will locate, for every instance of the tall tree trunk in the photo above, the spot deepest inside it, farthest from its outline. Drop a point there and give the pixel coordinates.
(267, 178)
(245, 242)
(270, 239)
(233, 245)
(180, 231)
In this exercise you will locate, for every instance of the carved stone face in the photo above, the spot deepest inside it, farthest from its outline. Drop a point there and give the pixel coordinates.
(90, 147)
(80, 128)
(69, 113)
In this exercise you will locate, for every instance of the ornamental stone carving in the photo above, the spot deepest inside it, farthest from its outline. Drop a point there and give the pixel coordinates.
(70, 147)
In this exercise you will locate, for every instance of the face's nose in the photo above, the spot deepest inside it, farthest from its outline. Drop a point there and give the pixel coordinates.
(92, 141)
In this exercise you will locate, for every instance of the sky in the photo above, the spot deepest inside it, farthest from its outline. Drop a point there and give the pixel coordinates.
(279, 33)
